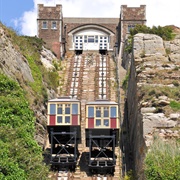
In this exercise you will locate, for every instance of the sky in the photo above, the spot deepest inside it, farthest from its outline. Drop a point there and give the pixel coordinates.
(21, 15)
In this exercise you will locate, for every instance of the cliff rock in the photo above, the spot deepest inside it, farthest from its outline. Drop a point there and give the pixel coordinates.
(153, 85)
(12, 63)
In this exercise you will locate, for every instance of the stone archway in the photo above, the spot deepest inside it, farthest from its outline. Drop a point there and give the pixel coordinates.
(90, 37)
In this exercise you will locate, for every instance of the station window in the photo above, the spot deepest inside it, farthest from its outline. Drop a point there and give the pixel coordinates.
(59, 109)
(130, 26)
(98, 122)
(90, 111)
(54, 25)
(96, 39)
(52, 109)
(85, 39)
(106, 122)
(113, 112)
(59, 119)
(67, 109)
(90, 39)
(98, 112)
(67, 119)
(44, 25)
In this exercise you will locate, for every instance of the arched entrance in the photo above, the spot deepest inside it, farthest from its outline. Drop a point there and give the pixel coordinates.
(91, 37)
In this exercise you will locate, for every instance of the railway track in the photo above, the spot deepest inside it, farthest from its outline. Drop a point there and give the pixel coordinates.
(89, 77)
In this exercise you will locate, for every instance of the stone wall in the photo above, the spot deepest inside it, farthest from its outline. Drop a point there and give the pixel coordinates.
(153, 84)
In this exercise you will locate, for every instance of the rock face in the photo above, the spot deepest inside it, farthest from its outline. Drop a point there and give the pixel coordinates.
(12, 63)
(148, 45)
(47, 58)
(154, 83)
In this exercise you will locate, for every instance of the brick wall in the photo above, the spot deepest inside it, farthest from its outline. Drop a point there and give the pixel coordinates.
(52, 37)
(107, 23)
(131, 16)
(117, 27)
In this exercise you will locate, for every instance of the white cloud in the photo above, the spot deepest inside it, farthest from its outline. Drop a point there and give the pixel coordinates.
(158, 12)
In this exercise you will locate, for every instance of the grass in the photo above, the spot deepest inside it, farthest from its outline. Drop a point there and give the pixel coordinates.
(30, 48)
(151, 94)
(162, 160)
(175, 105)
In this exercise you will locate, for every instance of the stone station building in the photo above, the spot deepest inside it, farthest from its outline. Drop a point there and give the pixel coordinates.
(69, 34)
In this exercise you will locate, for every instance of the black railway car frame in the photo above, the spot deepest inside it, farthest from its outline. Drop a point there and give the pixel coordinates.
(64, 131)
(102, 135)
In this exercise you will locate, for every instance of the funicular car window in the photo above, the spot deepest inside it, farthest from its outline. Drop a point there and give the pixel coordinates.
(67, 119)
(59, 119)
(113, 112)
(106, 122)
(52, 109)
(59, 109)
(106, 112)
(98, 112)
(67, 109)
(90, 111)
(98, 122)
(74, 108)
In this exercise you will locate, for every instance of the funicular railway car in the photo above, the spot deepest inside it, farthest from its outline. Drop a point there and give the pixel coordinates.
(102, 135)
(64, 131)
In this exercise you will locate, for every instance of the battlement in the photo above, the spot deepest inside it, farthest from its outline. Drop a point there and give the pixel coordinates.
(133, 13)
(86, 34)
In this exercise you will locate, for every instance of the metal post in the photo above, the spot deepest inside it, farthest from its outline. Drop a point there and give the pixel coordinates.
(52, 144)
(75, 151)
(90, 148)
(102, 78)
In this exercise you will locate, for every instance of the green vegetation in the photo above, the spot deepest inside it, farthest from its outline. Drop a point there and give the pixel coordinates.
(150, 92)
(162, 162)
(175, 105)
(125, 82)
(128, 46)
(166, 33)
(129, 175)
(21, 157)
(30, 48)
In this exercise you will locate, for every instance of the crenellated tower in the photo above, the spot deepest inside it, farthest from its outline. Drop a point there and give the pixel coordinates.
(131, 16)
(50, 27)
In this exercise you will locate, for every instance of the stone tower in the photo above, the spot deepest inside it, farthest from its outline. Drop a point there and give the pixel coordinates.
(50, 26)
(129, 17)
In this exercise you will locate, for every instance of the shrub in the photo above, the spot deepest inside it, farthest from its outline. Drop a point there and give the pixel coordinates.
(163, 161)
(21, 157)
(166, 33)
(125, 82)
